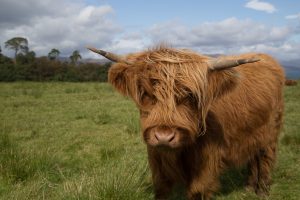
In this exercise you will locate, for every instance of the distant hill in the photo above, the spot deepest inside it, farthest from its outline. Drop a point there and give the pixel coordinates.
(292, 72)
(292, 68)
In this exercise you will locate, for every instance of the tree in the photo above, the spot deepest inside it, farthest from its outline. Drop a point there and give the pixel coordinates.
(17, 44)
(31, 56)
(75, 57)
(27, 58)
(53, 54)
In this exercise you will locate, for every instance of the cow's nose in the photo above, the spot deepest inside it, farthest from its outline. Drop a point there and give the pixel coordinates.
(164, 137)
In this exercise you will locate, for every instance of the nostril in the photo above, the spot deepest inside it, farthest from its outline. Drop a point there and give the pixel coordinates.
(171, 137)
(156, 136)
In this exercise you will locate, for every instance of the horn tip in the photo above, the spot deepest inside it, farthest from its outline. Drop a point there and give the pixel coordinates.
(90, 48)
(254, 59)
(98, 51)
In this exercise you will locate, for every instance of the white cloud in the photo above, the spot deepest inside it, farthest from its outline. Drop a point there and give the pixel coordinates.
(125, 43)
(229, 36)
(65, 25)
(261, 6)
(284, 52)
(296, 16)
(225, 33)
(15, 12)
(90, 14)
(71, 24)
(129, 42)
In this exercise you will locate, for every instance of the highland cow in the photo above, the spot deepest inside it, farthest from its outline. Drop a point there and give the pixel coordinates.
(201, 115)
(289, 82)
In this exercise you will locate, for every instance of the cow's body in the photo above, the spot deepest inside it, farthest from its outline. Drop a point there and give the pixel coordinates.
(198, 120)
(242, 128)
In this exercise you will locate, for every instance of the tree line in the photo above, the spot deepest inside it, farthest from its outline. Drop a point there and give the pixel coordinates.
(25, 66)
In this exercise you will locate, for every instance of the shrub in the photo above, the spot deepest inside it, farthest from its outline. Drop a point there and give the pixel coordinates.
(42, 69)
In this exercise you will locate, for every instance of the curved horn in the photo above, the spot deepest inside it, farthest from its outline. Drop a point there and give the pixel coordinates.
(111, 56)
(220, 64)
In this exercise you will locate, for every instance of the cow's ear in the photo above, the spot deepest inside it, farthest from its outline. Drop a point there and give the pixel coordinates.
(118, 76)
(222, 82)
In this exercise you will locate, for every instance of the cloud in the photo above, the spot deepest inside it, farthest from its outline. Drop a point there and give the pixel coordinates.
(66, 25)
(296, 16)
(129, 42)
(261, 6)
(70, 25)
(14, 12)
(229, 36)
(286, 51)
(226, 33)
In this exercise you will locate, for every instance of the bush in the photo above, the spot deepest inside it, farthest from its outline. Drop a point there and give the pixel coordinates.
(42, 69)
(7, 69)
(7, 72)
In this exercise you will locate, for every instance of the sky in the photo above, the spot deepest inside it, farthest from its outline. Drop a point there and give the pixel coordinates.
(208, 27)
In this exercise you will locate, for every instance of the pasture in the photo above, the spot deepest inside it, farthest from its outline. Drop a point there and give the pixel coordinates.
(82, 141)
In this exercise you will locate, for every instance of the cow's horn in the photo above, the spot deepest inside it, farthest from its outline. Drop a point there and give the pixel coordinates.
(111, 56)
(220, 64)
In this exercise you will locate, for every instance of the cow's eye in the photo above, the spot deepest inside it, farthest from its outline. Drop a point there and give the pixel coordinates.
(189, 99)
(148, 99)
(154, 82)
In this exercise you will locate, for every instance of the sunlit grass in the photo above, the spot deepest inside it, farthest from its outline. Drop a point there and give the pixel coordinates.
(82, 141)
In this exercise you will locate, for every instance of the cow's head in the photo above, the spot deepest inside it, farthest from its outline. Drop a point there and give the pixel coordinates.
(173, 90)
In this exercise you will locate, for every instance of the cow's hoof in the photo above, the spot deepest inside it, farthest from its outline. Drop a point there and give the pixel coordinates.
(250, 188)
(263, 193)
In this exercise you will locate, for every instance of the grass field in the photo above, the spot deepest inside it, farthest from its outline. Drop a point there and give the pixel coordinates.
(82, 141)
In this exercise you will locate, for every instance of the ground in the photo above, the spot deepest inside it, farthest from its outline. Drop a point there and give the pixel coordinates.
(82, 141)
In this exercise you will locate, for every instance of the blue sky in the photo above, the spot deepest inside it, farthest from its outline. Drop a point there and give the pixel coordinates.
(145, 13)
(234, 27)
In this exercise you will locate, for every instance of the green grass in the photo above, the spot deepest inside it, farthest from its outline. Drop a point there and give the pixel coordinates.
(82, 141)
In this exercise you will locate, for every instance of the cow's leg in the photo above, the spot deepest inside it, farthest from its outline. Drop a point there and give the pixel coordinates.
(162, 184)
(252, 174)
(260, 166)
(259, 170)
(203, 186)
(203, 192)
(162, 187)
(200, 196)
(266, 160)
(267, 154)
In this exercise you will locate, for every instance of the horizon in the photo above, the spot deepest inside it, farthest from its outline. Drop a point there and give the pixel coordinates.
(266, 26)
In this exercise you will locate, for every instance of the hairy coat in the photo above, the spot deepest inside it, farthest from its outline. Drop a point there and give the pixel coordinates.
(197, 121)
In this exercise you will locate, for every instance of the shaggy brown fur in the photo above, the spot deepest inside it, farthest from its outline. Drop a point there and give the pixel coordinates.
(197, 122)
